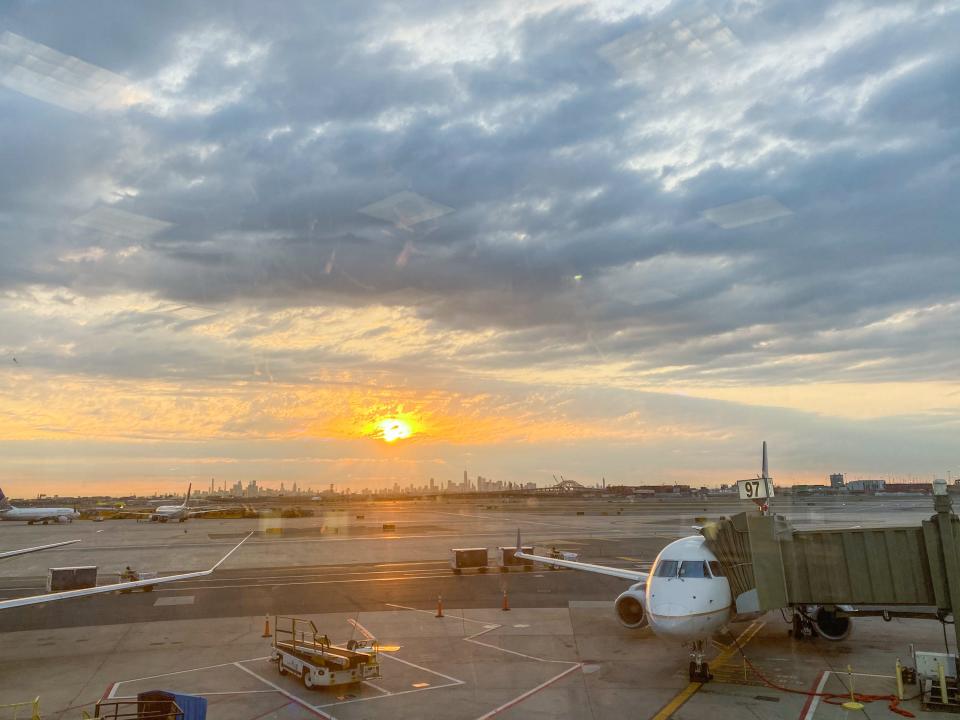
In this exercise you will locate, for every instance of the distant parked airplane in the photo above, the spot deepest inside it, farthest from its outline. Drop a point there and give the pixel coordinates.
(163, 513)
(34, 515)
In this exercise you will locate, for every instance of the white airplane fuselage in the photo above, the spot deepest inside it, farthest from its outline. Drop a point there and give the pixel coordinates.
(34, 515)
(169, 512)
(685, 597)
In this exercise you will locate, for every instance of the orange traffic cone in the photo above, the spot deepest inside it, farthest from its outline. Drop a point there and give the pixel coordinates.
(506, 601)
(266, 626)
(439, 606)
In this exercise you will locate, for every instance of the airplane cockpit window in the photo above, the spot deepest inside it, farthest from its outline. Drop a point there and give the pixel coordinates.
(667, 568)
(715, 569)
(694, 569)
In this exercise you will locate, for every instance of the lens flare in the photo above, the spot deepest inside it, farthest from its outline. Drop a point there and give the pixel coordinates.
(393, 429)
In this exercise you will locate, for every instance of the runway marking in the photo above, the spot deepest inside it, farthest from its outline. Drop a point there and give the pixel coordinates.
(494, 517)
(809, 708)
(520, 698)
(488, 627)
(430, 612)
(175, 600)
(420, 667)
(444, 563)
(690, 690)
(381, 697)
(207, 692)
(180, 672)
(376, 687)
(471, 639)
(310, 582)
(303, 703)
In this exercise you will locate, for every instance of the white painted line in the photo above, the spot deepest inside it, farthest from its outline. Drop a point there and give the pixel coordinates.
(421, 667)
(205, 693)
(181, 672)
(812, 710)
(438, 574)
(174, 600)
(377, 687)
(511, 652)
(446, 567)
(520, 698)
(391, 695)
(312, 708)
(430, 612)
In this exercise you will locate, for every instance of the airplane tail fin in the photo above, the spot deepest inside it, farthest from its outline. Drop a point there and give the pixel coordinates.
(4, 503)
(766, 473)
(518, 539)
(187, 500)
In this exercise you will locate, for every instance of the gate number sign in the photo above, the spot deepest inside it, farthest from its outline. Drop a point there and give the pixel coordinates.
(756, 489)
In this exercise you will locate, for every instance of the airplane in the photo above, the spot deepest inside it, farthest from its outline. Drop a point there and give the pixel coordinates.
(24, 551)
(113, 587)
(33, 515)
(686, 596)
(163, 513)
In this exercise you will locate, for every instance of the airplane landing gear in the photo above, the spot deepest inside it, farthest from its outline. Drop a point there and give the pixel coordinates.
(801, 626)
(699, 669)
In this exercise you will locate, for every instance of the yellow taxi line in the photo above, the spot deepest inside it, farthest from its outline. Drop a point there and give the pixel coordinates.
(688, 692)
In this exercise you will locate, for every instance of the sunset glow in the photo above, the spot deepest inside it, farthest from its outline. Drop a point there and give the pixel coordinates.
(394, 429)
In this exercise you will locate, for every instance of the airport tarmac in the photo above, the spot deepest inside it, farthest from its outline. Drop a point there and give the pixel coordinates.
(558, 652)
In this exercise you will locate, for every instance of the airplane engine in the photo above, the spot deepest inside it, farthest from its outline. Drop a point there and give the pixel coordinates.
(63, 519)
(629, 607)
(831, 626)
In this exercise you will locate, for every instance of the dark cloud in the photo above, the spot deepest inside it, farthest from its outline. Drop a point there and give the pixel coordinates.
(578, 193)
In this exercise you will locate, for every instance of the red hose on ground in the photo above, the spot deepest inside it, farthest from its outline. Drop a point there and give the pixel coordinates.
(829, 698)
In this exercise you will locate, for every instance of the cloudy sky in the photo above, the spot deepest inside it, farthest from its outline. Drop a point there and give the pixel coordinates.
(613, 239)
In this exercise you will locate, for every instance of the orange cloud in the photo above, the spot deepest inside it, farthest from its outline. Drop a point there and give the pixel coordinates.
(36, 405)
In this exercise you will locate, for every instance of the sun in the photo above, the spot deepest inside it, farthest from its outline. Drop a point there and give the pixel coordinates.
(393, 429)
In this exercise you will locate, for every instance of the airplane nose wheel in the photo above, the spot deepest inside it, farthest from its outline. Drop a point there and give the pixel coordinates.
(699, 669)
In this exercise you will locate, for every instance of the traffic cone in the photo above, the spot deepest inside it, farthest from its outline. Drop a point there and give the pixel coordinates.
(266, 626)
(506, 601)
(439, 606)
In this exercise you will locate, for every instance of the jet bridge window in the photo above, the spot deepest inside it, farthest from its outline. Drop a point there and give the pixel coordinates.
(667, 568)
(694, 569)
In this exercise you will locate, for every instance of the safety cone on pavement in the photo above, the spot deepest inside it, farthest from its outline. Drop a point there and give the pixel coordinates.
(266, 626)
(506, 601)
(439, 606)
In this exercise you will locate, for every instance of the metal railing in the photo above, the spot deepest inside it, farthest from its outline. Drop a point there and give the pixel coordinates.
(34, 705)
(138, 710)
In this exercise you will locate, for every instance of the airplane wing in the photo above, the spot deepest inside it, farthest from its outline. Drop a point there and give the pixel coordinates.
(212, 508)
(632, 575)
(113, 587)
(24, 551)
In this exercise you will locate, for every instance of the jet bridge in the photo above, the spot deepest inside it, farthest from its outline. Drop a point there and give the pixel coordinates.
(906, 571)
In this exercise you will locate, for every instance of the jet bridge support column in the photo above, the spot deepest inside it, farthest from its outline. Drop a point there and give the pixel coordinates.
(946, 523)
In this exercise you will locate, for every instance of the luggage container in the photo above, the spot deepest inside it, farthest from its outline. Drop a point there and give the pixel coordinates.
(71, 578)
(461, 558)
(506, 559)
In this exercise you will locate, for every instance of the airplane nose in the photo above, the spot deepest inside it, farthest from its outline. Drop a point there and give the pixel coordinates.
(671, 609)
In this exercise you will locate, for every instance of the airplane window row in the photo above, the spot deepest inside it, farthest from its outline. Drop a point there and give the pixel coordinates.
(688, 569)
